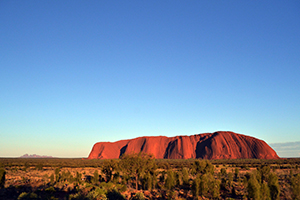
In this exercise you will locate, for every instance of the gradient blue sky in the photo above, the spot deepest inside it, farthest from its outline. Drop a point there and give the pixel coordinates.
(73, 73)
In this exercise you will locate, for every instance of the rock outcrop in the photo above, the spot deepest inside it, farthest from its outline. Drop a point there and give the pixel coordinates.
(218, 145)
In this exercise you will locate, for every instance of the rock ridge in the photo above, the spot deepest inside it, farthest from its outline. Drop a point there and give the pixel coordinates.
(217, 145)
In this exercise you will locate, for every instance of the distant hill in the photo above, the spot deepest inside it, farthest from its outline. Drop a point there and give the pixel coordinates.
(218, 145)
(34, 156)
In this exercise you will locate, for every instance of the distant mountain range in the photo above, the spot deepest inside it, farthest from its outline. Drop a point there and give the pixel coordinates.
(34, 156)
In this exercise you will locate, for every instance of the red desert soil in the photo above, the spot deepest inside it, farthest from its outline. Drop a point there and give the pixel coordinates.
(218, 145)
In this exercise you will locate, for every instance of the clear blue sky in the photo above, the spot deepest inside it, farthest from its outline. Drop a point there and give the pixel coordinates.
(73, 73)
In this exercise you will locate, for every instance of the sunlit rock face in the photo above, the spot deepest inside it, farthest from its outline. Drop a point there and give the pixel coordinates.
(218, 145)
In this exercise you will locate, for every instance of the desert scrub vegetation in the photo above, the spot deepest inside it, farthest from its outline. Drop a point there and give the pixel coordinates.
(262, 184)
(140, 176)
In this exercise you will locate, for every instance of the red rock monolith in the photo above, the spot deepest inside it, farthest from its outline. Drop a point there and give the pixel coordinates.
(218, 145)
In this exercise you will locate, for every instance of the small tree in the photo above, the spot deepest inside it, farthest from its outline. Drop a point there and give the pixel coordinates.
(108, 167)
(185, 176)
(52, 178)
(236, 173)
(204, 185)
(253, 188)
(154, 179)
(149, 181)
(196, 187)
(203, 167)
(223, 172)
(214, 187)
(212, 190)
(57, 175)
(170, 180)
(264, 172)
(2, 178)
(274, 186)
(136, 164)
(24, 196)
(265, 191)
(96, 177)
(230, 179)
(116, 177)
(178, 176)
(295, 186)
(78, 177)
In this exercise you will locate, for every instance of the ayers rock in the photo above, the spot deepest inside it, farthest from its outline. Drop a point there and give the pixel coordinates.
(218, 145)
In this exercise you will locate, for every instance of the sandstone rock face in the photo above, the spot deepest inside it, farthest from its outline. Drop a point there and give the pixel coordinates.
(218, 145)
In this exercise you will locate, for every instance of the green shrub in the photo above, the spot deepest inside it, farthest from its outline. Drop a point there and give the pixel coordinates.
(265, 191)
(116, 177)
(71, 178)
(98, 193)
(236, 173)
(149, 181)
(170, 180)
(108, 167)
(185, 176)
(162, 177)
(65, 176)
(230, 179)
(125, 179)
(264, 172)
(52, 179)
(204, 185)
(196, 187)
(178, 178)
(295, 186)
(154, 180)
(137, 164)
(57, 175)
(214, 188)
(274, 186)
(25, 196)
(78, 177)
(122, 188)
(223, 172)
(50, 190)
(253, 188)
(203, 167)
(96, 177)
